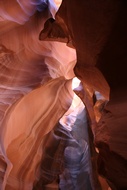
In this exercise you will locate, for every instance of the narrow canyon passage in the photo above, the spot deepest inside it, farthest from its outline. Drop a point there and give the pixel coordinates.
(63, 95)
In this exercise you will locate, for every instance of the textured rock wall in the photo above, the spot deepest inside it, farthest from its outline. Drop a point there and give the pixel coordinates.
(97, 29)
(35, 92)
(34, 89)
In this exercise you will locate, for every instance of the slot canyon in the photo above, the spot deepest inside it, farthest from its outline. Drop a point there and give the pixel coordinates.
(63, 95)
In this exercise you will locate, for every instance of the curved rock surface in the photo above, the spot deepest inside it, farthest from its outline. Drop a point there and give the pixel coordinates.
(29, 69)
(46, 142)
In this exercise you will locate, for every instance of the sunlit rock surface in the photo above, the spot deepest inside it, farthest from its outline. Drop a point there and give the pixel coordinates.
(24, 129)
(35, 90)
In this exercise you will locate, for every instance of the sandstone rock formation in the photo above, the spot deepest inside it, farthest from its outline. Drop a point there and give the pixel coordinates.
(98, 32)
(52, 135)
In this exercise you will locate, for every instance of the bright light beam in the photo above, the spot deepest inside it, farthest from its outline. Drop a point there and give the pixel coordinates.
(75, 83)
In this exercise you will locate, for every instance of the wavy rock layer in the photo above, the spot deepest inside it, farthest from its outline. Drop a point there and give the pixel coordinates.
(36, 151)
(32, 100)
(24, 128)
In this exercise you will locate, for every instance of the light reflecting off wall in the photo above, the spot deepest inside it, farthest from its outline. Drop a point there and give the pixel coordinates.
(58, 2)
(75, 109)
